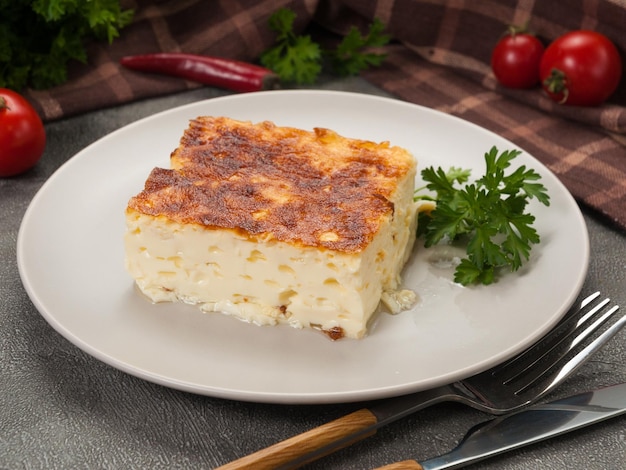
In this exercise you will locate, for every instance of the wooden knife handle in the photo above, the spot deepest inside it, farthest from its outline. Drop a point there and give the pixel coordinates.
(290, 449)
(404, 465)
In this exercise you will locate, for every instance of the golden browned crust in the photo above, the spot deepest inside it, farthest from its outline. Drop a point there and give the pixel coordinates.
(314, 188)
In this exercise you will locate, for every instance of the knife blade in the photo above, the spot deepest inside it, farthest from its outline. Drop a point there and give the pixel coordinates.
(536, 423)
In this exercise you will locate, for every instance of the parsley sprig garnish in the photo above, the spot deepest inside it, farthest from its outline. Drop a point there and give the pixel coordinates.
(489, 215)
(299, 59)
(294, 58)
(353, 53)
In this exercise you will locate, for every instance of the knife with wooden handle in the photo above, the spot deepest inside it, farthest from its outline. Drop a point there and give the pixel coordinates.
(334, 435)
(281, 453)
(536, 423)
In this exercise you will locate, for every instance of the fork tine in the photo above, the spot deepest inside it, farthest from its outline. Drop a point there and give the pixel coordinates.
(579, 359)
(589, 299)
(564, 342)
(515, 366)
(594, 326)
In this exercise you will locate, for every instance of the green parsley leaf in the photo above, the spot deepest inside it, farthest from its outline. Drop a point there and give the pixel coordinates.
(458, 174)
(294, 58)
(351, 55)
(489, 215)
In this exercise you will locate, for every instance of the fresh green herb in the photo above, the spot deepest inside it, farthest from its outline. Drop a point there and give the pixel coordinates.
(489, 215)
(295, 58)
(298, 59)
(351, 55)
(39, 37)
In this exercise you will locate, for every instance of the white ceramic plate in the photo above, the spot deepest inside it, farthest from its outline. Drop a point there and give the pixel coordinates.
(71, 260)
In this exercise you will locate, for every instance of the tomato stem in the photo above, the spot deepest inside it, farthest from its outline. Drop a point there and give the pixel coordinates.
(556, 83)
(514, 29)
(3, 104)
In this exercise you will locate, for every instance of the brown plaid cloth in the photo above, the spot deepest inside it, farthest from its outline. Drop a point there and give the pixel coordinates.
(440, 59)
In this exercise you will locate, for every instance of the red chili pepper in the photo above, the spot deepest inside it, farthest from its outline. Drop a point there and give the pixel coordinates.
(214, 71)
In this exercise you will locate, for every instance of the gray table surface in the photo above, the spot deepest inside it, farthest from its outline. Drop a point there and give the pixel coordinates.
(61, 408)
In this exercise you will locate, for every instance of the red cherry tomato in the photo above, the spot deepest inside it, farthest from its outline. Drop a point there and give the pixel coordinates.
(22, 135)
(515, 59)
(581, 68)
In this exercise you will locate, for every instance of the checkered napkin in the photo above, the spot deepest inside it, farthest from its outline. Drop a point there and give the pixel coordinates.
(439, 58)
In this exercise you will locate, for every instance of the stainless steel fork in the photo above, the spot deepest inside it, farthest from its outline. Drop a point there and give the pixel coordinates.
(507, 387)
